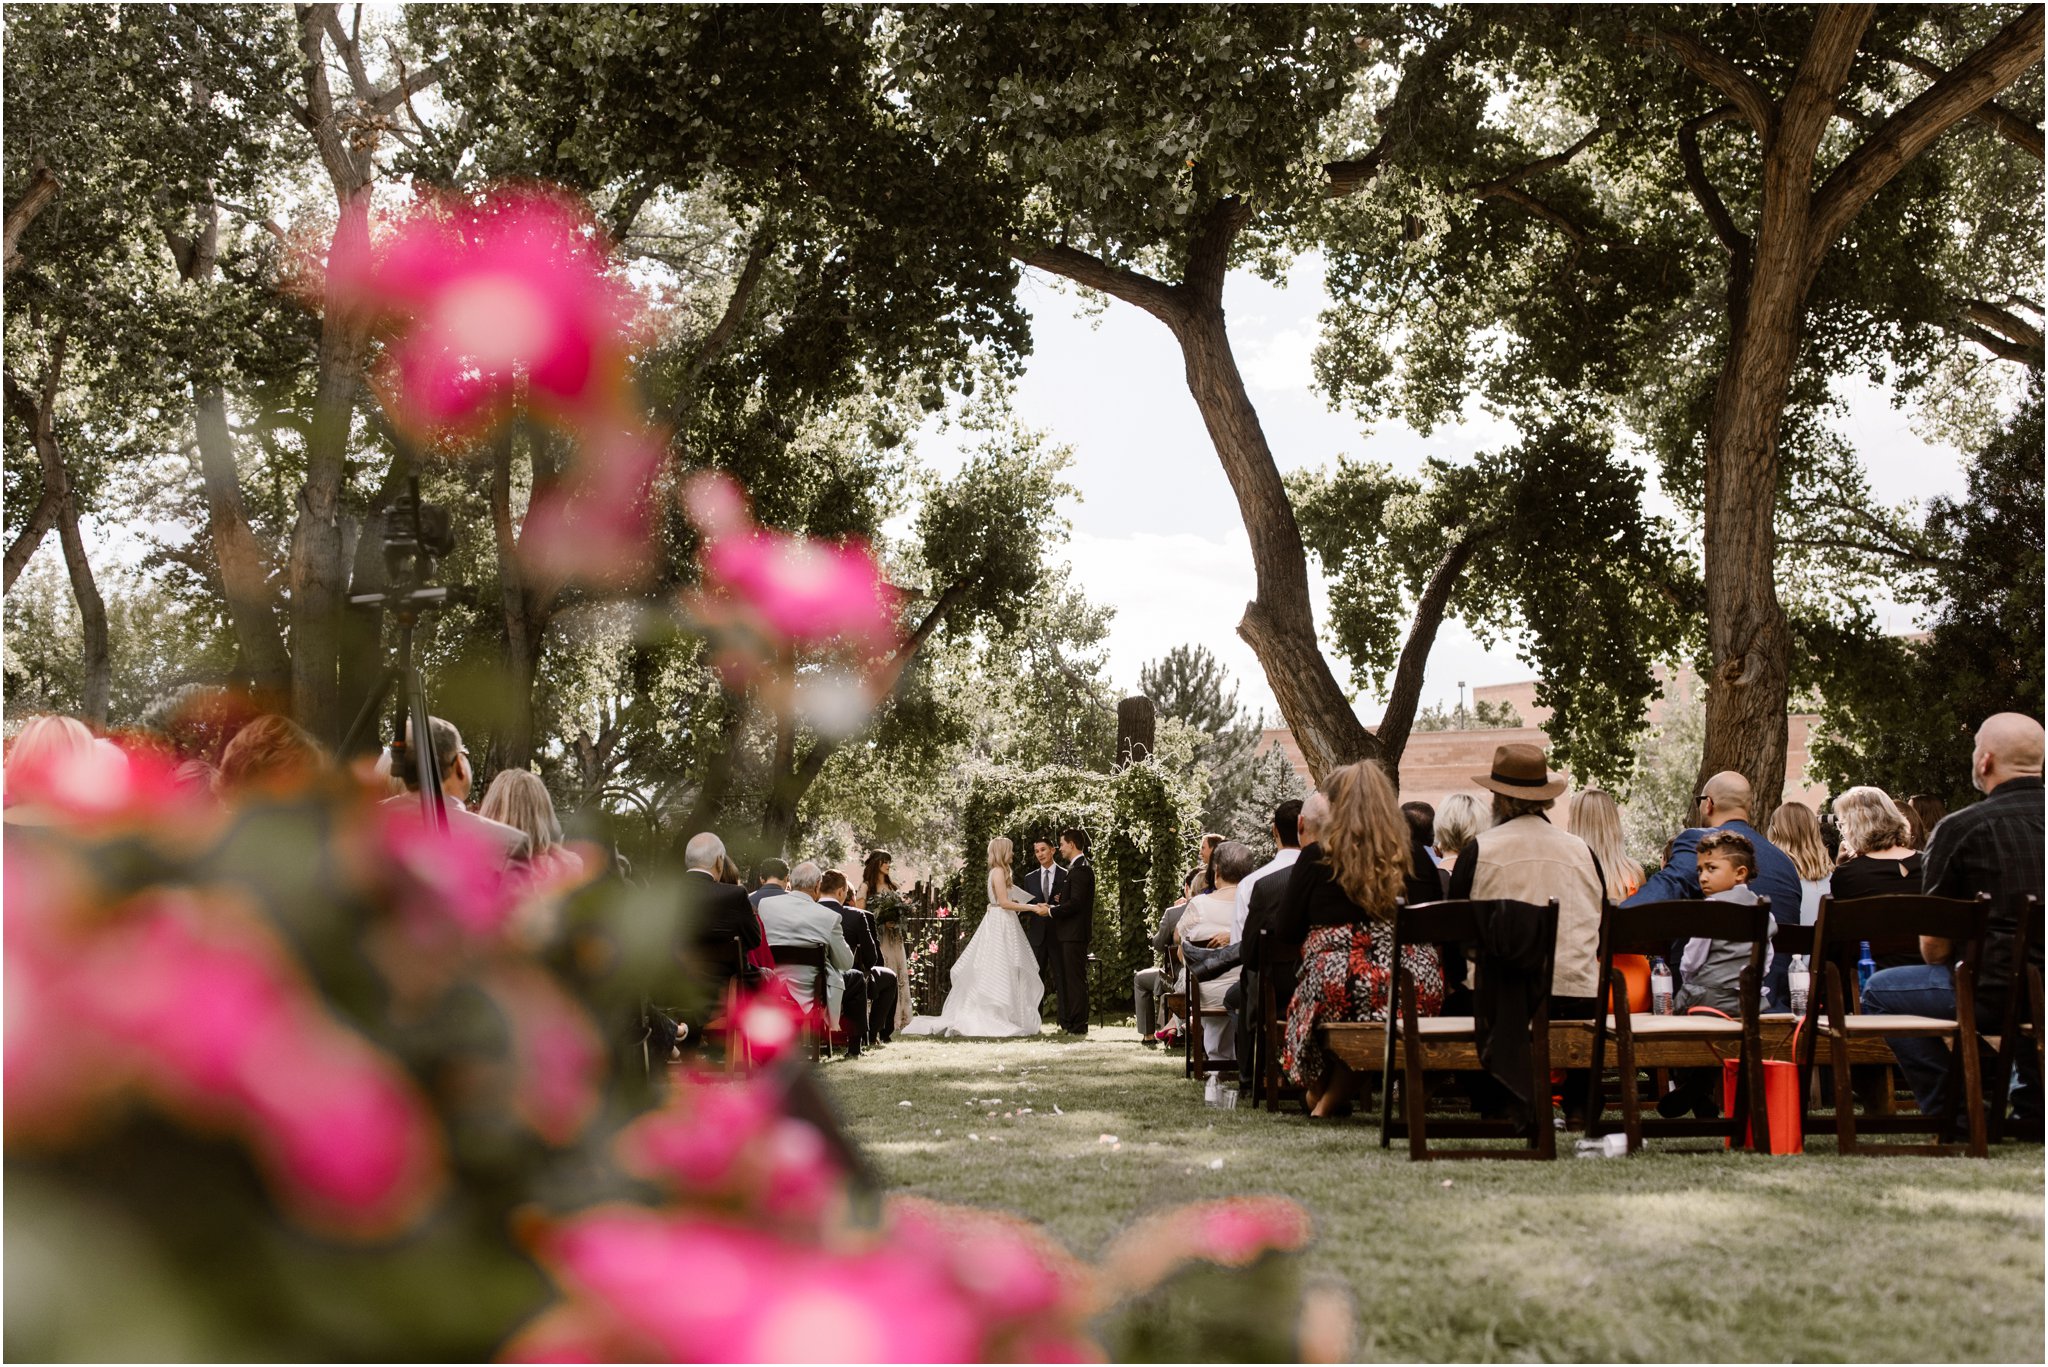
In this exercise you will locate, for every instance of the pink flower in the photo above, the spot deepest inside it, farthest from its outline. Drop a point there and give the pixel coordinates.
(513, 289)
(701, 1290)
(731, 1139)
(796, 589)
(596, 525)
(1234, 1232)
(557, 1054)
(1019, 1278)
(450, 884)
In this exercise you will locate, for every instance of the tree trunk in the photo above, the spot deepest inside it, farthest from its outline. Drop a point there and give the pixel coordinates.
(92, 613)
(318, 568)
(1399, 718)
(525, 620)
(23, 548)
(1279, 624)
(244, 578)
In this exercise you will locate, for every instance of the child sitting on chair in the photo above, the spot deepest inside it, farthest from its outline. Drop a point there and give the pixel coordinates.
(1712, 969)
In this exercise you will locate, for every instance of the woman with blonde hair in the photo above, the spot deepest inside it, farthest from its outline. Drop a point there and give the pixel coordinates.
(517, 798)
(1339, 906)
(1458, 823)
(1796, 830)
(1875, 858)
(1595, 817)
(996, 989)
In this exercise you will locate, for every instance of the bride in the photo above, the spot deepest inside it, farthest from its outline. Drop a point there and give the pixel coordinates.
(995, 989)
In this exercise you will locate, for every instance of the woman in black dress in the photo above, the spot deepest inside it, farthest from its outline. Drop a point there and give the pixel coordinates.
(1876, 859)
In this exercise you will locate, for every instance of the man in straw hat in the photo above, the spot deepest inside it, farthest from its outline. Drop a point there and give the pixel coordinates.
(1524, 858)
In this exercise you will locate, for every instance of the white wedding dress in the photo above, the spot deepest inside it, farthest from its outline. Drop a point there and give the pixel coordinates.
(996, 989)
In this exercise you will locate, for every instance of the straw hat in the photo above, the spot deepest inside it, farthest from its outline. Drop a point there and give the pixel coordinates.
(1520, 771)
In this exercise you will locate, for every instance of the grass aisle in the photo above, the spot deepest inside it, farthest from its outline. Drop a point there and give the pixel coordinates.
(1664, 1257)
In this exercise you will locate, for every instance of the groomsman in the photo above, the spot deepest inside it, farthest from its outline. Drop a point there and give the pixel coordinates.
(867, 959)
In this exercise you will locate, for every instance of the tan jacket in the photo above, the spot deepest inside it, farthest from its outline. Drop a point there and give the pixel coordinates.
(1530, 860)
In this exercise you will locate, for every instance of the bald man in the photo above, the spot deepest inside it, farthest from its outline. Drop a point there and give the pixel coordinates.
(1724, 805)
(1992, 846)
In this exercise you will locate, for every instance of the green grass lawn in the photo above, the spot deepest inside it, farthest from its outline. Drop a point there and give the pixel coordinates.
(1660, 1256)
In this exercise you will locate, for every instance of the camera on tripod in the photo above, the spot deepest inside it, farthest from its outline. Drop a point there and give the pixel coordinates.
(416, 534)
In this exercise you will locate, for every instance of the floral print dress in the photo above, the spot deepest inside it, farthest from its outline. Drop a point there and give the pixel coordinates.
(1347, 974)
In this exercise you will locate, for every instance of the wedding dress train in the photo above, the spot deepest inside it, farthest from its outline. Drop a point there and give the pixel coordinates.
(996, 988)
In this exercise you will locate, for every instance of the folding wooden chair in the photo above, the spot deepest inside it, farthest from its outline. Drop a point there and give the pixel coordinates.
(1269, 1019)
(2019, 1030)
(1647, 1040)
(817, 1020)
(1199, 1063)
(1451, 1043)
(1894, 924)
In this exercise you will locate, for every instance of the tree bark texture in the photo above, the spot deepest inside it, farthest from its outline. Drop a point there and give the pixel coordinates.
(1278, 624)
(238, 555)
(26, 542)
(1406, 693)
(42, 189)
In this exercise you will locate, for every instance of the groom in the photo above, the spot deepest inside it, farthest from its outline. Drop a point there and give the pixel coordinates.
(1073, 921)
(1042, 885)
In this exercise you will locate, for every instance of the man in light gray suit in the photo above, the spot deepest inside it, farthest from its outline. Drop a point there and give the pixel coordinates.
(797, 918)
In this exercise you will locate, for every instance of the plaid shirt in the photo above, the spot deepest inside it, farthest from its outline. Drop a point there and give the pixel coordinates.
(1992, 846)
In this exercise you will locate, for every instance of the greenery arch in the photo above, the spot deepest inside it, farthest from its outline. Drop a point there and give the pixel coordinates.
(1143, 827)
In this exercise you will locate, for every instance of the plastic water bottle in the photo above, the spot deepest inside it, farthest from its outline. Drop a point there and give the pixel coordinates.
(1865, 966)
(1660, 987)
(1606, 1146)
(1800, 980)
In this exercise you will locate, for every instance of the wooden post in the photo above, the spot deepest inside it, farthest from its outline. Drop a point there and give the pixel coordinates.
(1136, 724)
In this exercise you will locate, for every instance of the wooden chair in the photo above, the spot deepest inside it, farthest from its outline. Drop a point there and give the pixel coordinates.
(1892, 924)
(817, 1020)
(1199, 1063)
(1269, 1020)
(737, 1054)
(2019, 1029)
(1412, 1036)
(1652, 1041)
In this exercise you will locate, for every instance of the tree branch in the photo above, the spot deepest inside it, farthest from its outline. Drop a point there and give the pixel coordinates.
(1732, 238)
(2012, 127)
(1542, 164)
(721, 334)
(1748, 94)
(42, 189)
(1912, 130)
(1399, 717)
(1350, 177)
(23, 548)
(1209, 247)
(1156, 297)
(1818, 79)
(388, 101)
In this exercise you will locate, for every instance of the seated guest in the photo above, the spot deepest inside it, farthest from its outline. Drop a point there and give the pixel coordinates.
(771, 877)
(1339, 905)
(1725, 802)
(1286, 833)
(1422, 820)
(1712, 969)
(1256, 915)
(718, 911)
(1207, 922)
(1150, 986)
(52, 740)
(1876, 858)
(1929, 812)
(451, 758)
(270, 757)
(1796, 830)
(1523, 858)
(1596, 819)
(1203, 879)
(1458, 822)
(795, 918)
(1994, 846)
(880, 1022)
(520, 800)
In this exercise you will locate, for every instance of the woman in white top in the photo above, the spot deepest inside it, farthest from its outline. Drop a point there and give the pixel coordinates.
(1208, 921)
(1796, 831)
(996, 989)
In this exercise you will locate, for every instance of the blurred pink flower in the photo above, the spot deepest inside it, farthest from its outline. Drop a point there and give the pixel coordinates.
(445, 885)
(557, 1055)
(796, 589)
(494, 296)
(596, 525)
(1233, 1232)
(1022, 1282)
(731, 1139)
(702, 1290)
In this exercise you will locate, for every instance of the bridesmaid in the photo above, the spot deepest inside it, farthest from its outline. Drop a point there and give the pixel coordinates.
(874, 881)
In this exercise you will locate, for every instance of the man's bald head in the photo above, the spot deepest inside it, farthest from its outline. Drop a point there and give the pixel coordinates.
(2008, 747)
(1730, 795)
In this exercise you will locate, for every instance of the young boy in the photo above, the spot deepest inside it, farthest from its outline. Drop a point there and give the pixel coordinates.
(1711, 970)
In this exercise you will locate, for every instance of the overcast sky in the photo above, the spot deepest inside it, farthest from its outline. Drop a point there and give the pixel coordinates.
(1157, 534)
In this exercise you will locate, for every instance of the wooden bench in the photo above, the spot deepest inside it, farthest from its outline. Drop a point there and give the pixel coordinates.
(1362, 1045)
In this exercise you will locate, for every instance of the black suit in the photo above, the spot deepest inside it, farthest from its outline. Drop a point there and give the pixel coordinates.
(1073, 922)
(1258, 914)
(867, 961)
(1038, 929)
(717, 912)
